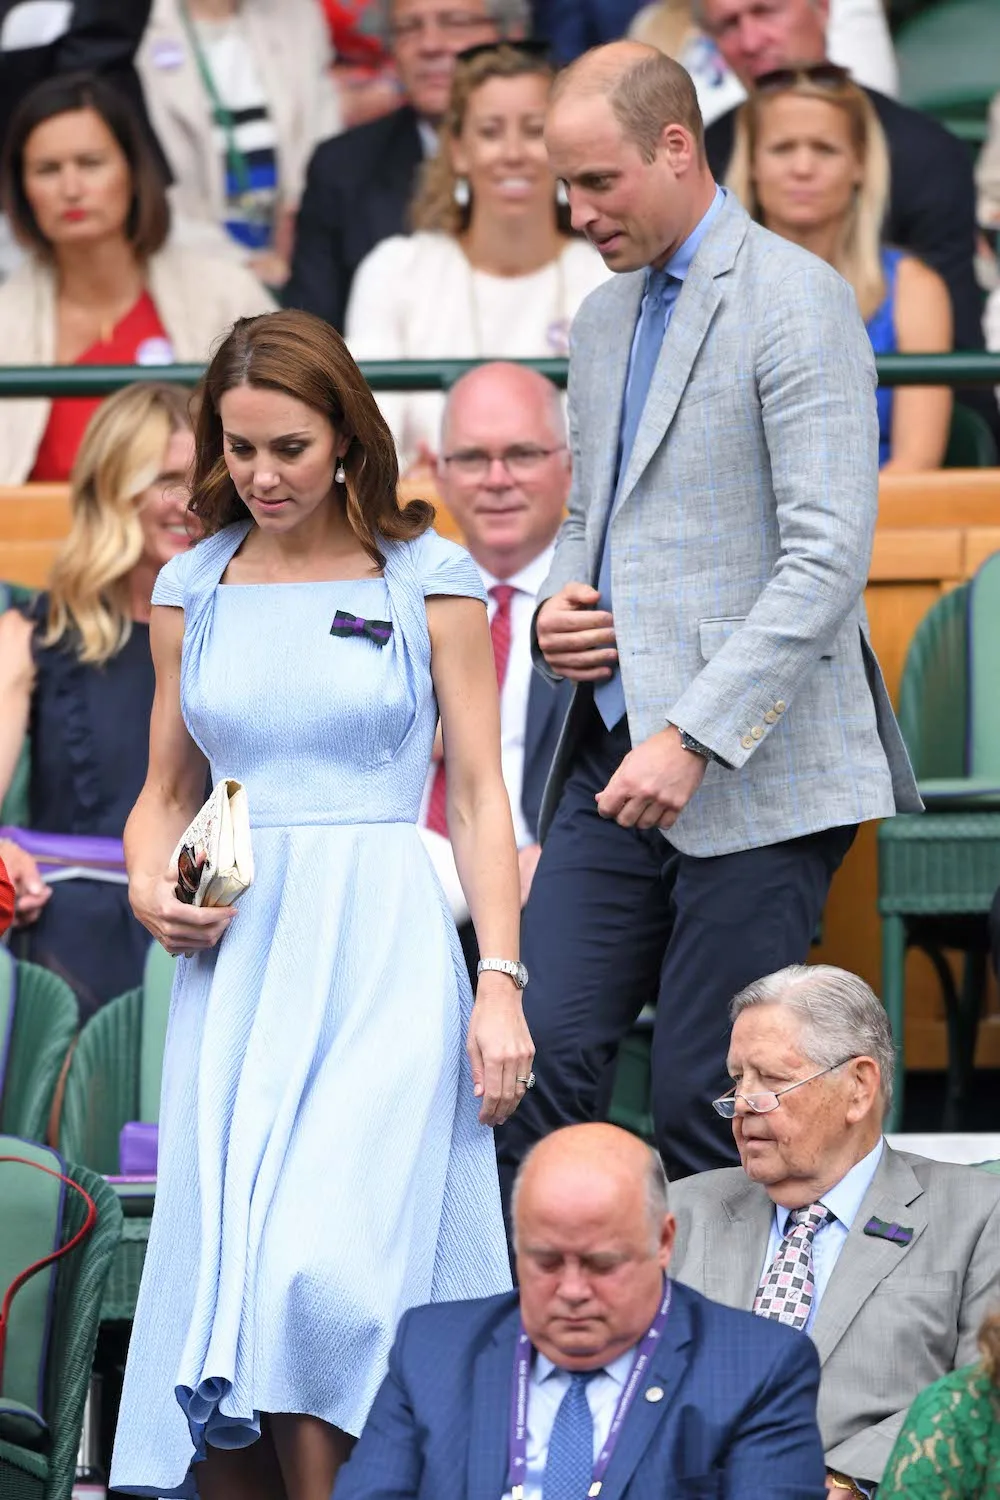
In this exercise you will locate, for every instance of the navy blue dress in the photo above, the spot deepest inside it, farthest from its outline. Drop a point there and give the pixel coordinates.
(89, 731)
(881, 328)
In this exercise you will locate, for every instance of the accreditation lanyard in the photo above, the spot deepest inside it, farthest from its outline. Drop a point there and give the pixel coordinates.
(518, 1445)
(223, 117)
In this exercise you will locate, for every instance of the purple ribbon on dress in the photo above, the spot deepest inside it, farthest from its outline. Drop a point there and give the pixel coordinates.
(57, 851)
(518, 1444)
(346, 624)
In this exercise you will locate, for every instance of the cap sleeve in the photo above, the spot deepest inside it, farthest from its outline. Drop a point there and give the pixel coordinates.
(169, 587)
(444, 567)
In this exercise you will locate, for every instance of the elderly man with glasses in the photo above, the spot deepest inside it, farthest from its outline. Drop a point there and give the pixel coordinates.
(888, 1260)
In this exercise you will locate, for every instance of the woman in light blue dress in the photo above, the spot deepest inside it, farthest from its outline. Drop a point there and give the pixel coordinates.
(326, 1158)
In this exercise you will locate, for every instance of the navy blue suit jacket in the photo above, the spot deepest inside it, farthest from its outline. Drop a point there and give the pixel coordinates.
(547, 707)
(571, 26)
(737, 1418)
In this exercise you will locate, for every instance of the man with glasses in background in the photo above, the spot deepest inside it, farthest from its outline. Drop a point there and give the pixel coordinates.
(360, 183)
(888, 1260)
(504, 474)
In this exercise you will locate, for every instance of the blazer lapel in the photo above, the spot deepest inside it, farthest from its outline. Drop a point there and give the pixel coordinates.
(734, 1260)
(609, 362)
(491, 1382)
(667, 1371)
(690, 321)
(894, 1197)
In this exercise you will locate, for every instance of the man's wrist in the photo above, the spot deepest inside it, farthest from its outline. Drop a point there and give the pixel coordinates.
(865, 1489)
(693, 746)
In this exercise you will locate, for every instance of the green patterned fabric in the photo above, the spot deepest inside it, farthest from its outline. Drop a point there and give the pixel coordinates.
(949, 1447)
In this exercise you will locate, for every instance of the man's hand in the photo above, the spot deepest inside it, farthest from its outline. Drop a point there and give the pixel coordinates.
(576, 638)
(653, 784)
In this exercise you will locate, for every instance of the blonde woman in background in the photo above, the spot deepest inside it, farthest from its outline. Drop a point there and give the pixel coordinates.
(76, 674)
(810, 163)
(493, 271)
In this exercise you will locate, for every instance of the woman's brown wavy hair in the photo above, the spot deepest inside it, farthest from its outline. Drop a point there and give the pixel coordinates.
(301, 356)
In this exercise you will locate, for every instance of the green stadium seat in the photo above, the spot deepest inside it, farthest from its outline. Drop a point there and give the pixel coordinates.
(948, 63)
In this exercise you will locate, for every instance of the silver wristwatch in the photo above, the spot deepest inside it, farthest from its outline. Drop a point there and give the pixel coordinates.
(510, 966)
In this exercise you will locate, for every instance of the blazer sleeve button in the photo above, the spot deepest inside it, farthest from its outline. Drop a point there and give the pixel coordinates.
(746, 742)
(780, 706)
(756, 732)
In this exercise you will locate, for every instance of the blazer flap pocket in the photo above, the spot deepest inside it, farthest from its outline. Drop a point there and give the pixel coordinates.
(713, 634)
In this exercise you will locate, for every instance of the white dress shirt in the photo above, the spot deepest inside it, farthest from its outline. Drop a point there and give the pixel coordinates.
(843, 1200)
(547, 1386)
(513, 724)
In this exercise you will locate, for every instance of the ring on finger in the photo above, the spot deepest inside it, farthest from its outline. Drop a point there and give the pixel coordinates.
(529, 1082)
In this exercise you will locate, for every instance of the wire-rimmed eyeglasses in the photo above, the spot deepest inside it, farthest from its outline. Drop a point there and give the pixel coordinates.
(767, 1099)
(521, 461)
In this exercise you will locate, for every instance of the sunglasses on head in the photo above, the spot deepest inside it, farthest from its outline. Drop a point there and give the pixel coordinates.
(825, 74)
(527, 46)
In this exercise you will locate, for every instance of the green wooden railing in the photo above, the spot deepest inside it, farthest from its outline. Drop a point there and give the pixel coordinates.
(439, 374)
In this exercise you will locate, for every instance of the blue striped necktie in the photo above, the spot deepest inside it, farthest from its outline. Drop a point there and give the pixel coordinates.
(661, 293)
(569, 1466)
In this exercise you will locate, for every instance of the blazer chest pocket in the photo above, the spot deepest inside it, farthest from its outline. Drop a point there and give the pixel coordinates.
(713, 635)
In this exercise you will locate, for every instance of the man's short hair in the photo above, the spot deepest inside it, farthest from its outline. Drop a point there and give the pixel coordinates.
(554, 413)
(645, 97)
(657, 1193)
(840, 1015)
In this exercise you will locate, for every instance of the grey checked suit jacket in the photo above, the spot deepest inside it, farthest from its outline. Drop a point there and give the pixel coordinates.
(893, 1318)
(741, 539)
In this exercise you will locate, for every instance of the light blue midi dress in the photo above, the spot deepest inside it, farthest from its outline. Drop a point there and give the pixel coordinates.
(321, 1164)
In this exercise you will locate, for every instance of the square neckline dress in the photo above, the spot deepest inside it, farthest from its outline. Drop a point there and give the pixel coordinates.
(322, 1167)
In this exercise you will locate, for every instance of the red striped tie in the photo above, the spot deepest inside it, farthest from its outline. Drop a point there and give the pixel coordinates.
(501, 594)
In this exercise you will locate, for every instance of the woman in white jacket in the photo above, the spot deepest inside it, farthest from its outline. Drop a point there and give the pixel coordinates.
(99, 285)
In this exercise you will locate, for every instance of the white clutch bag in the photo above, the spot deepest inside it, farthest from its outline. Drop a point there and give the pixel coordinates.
(214, 858)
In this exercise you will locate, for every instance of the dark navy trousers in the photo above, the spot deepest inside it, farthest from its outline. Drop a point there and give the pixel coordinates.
(618, 918)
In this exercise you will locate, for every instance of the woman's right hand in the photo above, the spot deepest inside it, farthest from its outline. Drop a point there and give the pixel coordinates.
(180, 928)
(30, 891)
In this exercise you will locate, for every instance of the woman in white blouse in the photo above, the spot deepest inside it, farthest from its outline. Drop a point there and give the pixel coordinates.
(493, 271)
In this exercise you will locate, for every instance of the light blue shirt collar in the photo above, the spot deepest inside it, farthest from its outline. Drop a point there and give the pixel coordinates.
(845, 1197)
(618, 1369)
(680, 262)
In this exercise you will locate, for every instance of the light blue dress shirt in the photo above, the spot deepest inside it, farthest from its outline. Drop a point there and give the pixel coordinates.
(546, 1388)
(843, 1200)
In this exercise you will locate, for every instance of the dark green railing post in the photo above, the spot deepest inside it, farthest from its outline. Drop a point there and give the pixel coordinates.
(440, 374)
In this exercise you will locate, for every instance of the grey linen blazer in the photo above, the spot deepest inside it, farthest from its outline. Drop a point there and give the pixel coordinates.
(893, 1318)
(741, 539)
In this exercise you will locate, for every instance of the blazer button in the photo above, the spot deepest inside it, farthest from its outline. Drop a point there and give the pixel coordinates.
(756, 732)
(746, 742)
(780, 706)
(770, 717)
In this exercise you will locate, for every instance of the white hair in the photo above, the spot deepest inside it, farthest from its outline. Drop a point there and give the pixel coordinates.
(840, 1016)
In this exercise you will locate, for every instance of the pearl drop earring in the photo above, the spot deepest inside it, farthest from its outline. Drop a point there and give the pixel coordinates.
(340, 473)
(460, 192)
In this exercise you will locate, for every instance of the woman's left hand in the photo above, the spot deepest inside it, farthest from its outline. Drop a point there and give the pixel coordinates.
(500, 1048)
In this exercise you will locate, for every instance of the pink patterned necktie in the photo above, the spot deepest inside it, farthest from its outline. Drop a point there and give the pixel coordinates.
(787, 1290)
(437, 803)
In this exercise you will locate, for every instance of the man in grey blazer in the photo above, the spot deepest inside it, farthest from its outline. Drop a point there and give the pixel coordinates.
(889, 1261)
(730, 727)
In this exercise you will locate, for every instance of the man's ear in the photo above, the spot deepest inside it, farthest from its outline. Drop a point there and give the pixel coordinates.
(866, 1086)
(677, 144)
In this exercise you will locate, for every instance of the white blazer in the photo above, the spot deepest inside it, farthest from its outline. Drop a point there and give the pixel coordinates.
(292, 45)
(197, 297)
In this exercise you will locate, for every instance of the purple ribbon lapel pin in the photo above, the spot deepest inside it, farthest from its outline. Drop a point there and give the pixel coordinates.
(377, 631)
(899, 1234)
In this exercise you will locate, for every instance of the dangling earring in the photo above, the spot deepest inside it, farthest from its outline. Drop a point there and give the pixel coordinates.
(460, 192)
(562, 197)
(340, 473)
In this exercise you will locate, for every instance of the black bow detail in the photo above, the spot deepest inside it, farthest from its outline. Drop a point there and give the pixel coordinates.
(345, 624)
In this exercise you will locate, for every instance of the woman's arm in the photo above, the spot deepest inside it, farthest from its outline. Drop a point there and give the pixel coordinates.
(173, 792)
(17, 681)
(482, 837)
(921, 415)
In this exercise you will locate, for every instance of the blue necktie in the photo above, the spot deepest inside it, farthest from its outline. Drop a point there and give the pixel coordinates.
(569, 1467)
(661, 293)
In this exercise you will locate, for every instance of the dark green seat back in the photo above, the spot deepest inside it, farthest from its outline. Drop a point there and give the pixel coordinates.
(971, 444)
(983, 743)
(30, 1229)
(157, 984)
(932, 693)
